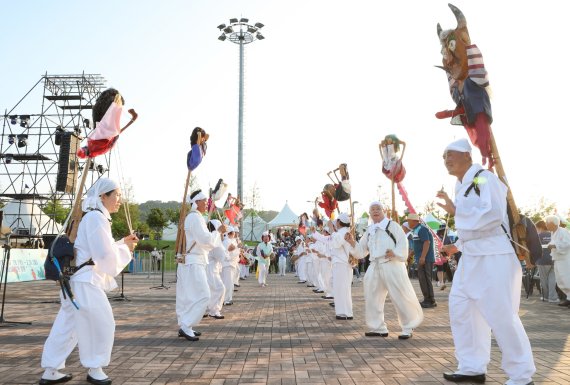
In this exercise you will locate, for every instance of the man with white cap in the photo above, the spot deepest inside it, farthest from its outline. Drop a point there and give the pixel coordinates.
(92, 326)
(217, 289)
(192, 290)
(386, 243)
(341, 268)
(264, 252)
(425, 258)
(485, 295)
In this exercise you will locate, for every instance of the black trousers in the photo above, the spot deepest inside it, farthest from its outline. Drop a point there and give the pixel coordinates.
(424, 276)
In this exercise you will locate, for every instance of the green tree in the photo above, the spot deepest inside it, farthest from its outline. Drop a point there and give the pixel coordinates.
(54, 209)
(157, 220)
(540, 210)
(120, 227)
(173, 214)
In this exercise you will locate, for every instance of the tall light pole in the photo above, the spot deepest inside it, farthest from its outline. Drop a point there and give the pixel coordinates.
(240, 32)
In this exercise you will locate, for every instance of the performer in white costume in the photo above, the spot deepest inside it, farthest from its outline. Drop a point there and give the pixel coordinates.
(92, 327)
(264, 252)
(341, 269)
(387, 245)
(217, 289)
(299, 254)
(485, 295)
(560, 249)
(192, 290)
(228, 268)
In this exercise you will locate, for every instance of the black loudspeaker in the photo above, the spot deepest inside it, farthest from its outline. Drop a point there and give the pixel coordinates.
(67, 165)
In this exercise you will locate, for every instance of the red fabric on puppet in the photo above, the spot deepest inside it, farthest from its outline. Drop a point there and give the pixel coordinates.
(329, 203)
(233, 214)
(106, 132)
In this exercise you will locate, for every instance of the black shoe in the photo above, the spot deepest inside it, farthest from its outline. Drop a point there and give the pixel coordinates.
(236, 285)
(564, 303)
(235, 289)
(310, 285)
(197, 333)
(343, 317)
(375, 334)
(217, 316)
(331, 304)
(91, 380)
(228, 303)
(405, 336)
(428, 305)
(61, 380)
(325, 297)
(302, 282)
(205, 315)
(454, 377)
(188, 337)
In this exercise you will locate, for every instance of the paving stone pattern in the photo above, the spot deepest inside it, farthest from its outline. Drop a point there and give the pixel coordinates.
(283, 334)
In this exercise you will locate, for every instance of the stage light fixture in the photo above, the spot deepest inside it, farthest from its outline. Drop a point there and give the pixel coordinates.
(228, 29)
(22, 140)
(243, 20)
(222, 37)
(11, 138)
(259, 36)
(8, 158)
(251, 29)
(259, 25)
(221, 26)
(24, 120)
(86, 123)
(13, 119)
(234, 20)
(58, 134)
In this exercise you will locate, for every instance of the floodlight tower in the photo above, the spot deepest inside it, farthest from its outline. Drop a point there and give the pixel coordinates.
(240, 32)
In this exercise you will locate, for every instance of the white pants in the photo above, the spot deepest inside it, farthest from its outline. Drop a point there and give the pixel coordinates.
(319, 282)
(244, 271)
(282, 265)
(309, 272)
(485, 296)
(390, 278)
(326, 273)
(562, 272)
(192, 295)
(302, 268)
(342, 276)
(228, 280)
(263, 270)
(236, 273)
(217, 289)
(92, 328)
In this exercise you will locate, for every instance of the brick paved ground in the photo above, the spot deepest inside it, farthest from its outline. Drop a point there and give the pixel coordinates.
(283, 334)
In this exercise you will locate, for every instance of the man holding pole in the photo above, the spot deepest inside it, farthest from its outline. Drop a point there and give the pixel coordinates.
(192, 290)
(486, 290)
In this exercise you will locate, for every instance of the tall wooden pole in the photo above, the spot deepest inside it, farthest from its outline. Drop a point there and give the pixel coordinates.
(519, 233)
(180, 245)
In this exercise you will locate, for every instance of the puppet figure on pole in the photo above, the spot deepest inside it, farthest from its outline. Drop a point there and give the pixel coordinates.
(468, 85)
(197, 152)
(392, 152)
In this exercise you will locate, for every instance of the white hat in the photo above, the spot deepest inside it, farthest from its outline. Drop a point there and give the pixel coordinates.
(344, 218)
(461, 145)
(230, 229)
(406, 225)
(298, 238)
(413, 217)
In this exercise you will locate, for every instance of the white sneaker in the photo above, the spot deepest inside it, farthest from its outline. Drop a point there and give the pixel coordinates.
(437, 284)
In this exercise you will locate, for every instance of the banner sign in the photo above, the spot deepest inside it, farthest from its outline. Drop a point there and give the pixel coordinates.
(26, 264)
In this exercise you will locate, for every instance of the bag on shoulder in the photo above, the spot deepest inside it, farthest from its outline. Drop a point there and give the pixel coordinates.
(62, 250)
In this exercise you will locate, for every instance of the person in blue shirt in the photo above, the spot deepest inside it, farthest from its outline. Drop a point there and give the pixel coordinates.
(425, 258)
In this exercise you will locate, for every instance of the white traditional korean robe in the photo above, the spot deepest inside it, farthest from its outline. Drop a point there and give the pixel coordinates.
(387, 277)
(92, 327)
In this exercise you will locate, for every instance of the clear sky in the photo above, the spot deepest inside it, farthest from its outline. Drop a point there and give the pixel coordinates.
(330, 80)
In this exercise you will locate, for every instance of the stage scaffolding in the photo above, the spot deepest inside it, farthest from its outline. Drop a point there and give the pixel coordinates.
(39, 168)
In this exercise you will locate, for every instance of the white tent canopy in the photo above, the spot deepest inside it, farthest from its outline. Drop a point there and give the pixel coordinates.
(27, 218)
(285, 218)
(252, 227)
(169, 232)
